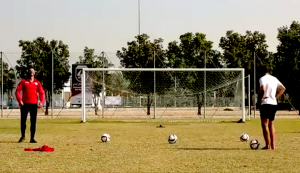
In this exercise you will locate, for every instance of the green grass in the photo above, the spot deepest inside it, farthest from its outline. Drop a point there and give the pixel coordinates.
(141, 147)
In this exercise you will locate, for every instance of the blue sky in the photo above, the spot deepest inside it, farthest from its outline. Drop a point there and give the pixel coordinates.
(108, 25)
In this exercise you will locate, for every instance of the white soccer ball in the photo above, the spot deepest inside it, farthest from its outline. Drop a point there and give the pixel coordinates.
(244, 137)
(105, 137)
(172, 139)
(254, 144)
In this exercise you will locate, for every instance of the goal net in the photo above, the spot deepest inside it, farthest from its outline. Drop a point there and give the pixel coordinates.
(163, 93)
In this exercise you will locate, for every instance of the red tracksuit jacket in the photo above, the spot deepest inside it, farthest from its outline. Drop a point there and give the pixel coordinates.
(30, 91)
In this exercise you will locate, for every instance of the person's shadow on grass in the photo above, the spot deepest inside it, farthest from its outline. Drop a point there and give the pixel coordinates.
(8, 142)
(213, 148)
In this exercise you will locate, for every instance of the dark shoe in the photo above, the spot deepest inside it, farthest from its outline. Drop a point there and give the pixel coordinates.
(32, 141)
(21, 139)
(266, 148)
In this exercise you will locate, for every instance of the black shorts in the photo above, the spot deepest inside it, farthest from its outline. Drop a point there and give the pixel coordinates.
(268, 112)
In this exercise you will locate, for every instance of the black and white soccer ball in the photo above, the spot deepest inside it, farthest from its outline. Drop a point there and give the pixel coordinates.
(244, 137)
(105, 137)
(254, 144)
(172, 139)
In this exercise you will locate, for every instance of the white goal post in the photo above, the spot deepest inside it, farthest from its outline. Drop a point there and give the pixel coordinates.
(165, 70)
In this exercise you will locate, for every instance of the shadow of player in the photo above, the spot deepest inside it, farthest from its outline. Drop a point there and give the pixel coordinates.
(8, 142)
(213, 149)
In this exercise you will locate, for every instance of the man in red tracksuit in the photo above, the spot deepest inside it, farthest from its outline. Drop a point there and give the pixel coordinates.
(31, 88)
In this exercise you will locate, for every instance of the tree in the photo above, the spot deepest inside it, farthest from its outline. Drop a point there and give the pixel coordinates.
(38, 53)
(238, 50)
(140, 53)
(287, 59)
(9, 80)
(94, 78)
(191, 52)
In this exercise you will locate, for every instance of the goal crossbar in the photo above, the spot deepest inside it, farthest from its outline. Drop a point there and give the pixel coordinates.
(162, 69)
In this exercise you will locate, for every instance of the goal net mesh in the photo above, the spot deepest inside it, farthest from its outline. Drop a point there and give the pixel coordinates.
(163, 94)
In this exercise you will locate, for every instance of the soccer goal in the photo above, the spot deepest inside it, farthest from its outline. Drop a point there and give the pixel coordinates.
(163, 93)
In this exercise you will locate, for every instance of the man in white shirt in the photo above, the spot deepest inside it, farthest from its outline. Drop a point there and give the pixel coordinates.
(270, 89)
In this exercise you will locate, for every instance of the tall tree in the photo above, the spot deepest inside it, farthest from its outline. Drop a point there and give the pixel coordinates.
(189, 52)
(94, 79)
(9, 80)
(140, 53)
(239, 50)
(38, 53)
(193, 51)
(287, 59)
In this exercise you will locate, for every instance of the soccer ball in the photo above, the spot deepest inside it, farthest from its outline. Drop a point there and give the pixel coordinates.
(105, 137)
(254, 144)
(244, 137)
(172, 139)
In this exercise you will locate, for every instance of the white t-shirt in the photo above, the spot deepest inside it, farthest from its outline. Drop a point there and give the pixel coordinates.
(271, 84)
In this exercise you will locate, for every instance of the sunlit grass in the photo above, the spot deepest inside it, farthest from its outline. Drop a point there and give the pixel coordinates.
(142, 147)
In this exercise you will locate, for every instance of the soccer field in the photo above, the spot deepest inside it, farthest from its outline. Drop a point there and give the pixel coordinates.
(139, 146)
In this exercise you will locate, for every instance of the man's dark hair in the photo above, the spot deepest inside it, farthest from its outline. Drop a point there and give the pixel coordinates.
(26, 76)
(29, 67)
(262, 70)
